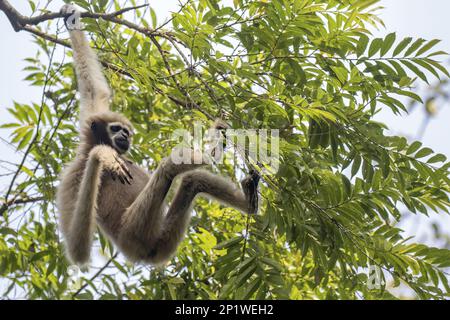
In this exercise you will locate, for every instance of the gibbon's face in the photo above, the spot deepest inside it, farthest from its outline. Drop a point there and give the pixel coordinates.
(115, 134)
(120, 136)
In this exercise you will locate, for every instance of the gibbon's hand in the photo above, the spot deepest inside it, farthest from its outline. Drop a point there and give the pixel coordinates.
(72, 18)
(219, 124)
(121, 171)
(111, 162)
(250, 187)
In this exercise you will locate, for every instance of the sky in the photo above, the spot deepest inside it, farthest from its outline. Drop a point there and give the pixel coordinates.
(427, 19)
(417, 18)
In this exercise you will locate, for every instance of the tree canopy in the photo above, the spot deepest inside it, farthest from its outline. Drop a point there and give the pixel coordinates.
(310, 68)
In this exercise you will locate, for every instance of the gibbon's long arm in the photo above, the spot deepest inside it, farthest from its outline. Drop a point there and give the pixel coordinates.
(79, 240)
(79, 237)
(94, 90)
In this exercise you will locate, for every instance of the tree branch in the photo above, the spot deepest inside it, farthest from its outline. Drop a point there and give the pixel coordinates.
(95, 275)
(14, 202)
(14, 16)
(20, 22)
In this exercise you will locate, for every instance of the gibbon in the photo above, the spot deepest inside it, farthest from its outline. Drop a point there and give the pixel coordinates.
(102, 187)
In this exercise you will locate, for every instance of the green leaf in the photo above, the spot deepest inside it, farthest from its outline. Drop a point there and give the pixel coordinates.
(245, 275)
(423, 153)
(273, 263)
(356, 165)
(401, 46)
(414, 147)
(32, 5)
(437, 158)
(362, 45)
(416, 45)
(387, 43)
(154, 19)
(416, 70)
(252, 287)
(428, 46)
(25, 140)
(10, 125)
(229, 243)
(410, 94)
(375, 46)
(427, 66)
(437, 65)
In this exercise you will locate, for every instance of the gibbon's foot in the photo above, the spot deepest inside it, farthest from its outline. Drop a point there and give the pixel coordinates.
(250, 188)
(69, 10)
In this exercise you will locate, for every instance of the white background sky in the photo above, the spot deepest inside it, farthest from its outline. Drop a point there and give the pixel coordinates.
(428, 19)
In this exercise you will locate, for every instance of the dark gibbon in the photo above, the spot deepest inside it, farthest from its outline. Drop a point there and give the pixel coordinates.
(101, 187)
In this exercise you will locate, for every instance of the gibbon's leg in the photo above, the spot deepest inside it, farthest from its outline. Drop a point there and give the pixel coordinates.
(94, 90)
(79, 237)
(167, 231)
(142, 221)
(177, 219)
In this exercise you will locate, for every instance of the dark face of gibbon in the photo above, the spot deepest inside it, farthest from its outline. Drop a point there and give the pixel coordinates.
(114, 134)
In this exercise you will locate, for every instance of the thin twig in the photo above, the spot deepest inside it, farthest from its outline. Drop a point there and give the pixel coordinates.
(95, 275)
(16, 202)
(173, 15)
(19, 21)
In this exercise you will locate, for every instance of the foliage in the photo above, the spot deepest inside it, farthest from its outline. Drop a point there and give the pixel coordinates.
(307, 67)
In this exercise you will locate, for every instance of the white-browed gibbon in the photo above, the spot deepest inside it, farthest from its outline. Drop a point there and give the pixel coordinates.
(102, 187)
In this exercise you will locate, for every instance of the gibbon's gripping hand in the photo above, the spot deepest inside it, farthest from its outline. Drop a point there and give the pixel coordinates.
(72, 18)
(111, 162)
(219, 124)
(121, 171)
(250, 187)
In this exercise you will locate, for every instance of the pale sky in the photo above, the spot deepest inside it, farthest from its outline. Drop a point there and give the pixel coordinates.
(428, 19)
